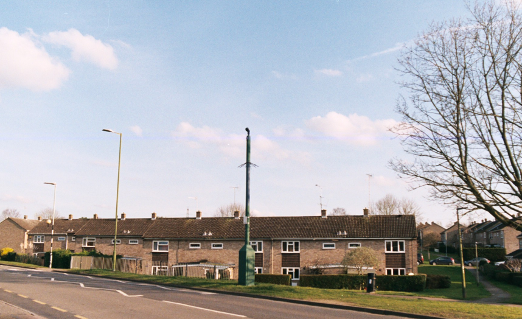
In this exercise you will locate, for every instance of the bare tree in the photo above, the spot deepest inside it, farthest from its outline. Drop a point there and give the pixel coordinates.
(228, 210)
(388, 205)
(9, 212)
(360, 258)
(462, 119)
(339, 211)
(47, 213)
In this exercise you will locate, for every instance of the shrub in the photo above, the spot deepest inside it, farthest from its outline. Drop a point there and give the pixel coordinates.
(273, 279)
(401, 283)
(437, 281)
(334, 281)
(4, 252)
(28, 259)
(493, 254)
(61, 258)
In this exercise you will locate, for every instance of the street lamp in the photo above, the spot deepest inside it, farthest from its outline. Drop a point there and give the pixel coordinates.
(117, 194)
(52, 225)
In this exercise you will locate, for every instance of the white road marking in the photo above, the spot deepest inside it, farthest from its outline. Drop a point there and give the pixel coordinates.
(121, 292)
(52, 279)
(211, 310)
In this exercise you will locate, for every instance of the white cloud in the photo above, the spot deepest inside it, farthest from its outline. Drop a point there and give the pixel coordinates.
(329, 72)
(397, 47)
(24, 64)
(364, 78)
(290, 132)
(85, 48)
(354, 129)
(234, 145)
(137, 130)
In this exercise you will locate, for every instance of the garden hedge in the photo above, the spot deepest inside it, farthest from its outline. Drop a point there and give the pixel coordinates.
(273, 279)
(334, 281)
(493, 254)
(437, 281)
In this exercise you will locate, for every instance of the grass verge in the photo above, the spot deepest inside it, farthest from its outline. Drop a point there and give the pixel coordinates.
(395, 301)
(17, 264)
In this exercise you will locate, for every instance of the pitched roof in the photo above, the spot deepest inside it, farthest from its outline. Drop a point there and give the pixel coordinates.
(377, 226)
(105, 227)
(26, 224)
(61, 226)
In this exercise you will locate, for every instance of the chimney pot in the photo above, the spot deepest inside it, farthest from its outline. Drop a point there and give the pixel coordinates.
(236, 214)
(198, 214)
(95, 216)
(153, 216)
(39, 217)
(25, 216)
(123, 216)
(70, 216)
(323, 213)
(366, 212)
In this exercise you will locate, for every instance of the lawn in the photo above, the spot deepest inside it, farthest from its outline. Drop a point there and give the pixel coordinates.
(396, 301)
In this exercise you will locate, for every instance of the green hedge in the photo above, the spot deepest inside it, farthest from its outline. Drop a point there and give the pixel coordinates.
(273, 279)
(493, 254)
(28, 259)
(334, 281)
(61, 258)
(437, 281)
(401, 283)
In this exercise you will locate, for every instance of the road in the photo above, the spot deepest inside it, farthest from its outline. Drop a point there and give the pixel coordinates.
(61, 295)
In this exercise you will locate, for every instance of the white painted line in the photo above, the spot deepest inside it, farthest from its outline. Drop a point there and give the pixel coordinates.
(211, 310)
(81, 285)
(29, 275)
(121, 292)
(207, 293)
(52, 279)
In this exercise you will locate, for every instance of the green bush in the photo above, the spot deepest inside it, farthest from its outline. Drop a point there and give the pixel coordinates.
(493, 254)
(28, 259)
(61, 258)
(10, 256)
(502, 276)
(490, 270)
(451, 249)
(4, 252)
(437, 281)
(334, 281)
(517, 281)
(401, 283)
(273, 279)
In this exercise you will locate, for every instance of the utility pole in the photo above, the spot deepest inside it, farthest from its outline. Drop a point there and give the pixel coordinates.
(246, 253)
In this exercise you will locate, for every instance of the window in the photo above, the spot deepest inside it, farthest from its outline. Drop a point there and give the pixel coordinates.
(258, 270)
(394, 246)
(395, 271)
(194, 246)
(38, 239)
(328, 245)
(73, 238)
(160, 245)
(88, 242)
(133, 242)
(160, 270)
(257, 246)
(354, 245)
(217, 246)
(291, 271)
(290, 246)
(61, 238)
(490, 235)
(118, 241)
(501, 234)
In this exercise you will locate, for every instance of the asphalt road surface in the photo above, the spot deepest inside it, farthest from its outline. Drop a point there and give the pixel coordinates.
(31, 293)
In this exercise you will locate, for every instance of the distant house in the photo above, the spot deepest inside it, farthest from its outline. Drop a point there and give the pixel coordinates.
(64, 235)
(504, 236)
(450, 236)
(287, 245)
(14, 233)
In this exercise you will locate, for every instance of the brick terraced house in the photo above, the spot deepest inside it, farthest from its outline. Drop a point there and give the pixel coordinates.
(287, 245)
(14, 233)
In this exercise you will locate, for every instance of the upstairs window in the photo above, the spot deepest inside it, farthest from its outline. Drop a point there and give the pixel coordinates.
(160, 246)
(354, 245)
(118, 241)
(217, 246)
(133, 242)
(88, 242)
(290, 246)
(328, 245)
(257, 246)
(194, 246)
(39, 239)
(394, 246)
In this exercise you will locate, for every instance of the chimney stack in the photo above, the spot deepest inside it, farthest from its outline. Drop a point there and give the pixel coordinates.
(236, 214)
(25, 216)
(39, 217)
(95, 216)
(153, 216)
(323, 213)
(366, 212)
(123, 216)
(70, 216)
(198, 214)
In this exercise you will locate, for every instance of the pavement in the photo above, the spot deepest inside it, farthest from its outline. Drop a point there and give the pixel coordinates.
(8, 311)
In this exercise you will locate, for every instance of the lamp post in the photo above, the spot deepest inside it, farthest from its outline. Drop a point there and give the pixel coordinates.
(476, 258)
(117, 194)
(461, 255)
(52, 225)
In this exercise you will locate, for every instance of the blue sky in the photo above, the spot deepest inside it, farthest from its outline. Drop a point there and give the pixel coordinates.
(313, 80)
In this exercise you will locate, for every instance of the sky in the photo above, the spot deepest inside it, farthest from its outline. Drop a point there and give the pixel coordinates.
(314, 81)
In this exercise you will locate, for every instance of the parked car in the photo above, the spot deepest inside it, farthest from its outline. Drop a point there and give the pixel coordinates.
(420, 259)
(498, 263)
(442, 260)
(475, 261)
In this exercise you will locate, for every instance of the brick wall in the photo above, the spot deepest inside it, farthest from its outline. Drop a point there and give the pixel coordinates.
(12, 236)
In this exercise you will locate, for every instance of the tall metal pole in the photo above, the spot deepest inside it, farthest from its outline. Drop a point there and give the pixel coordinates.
(461, 257)
(117, 195)
(246, 253)
(52, 225)
(476, 256)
